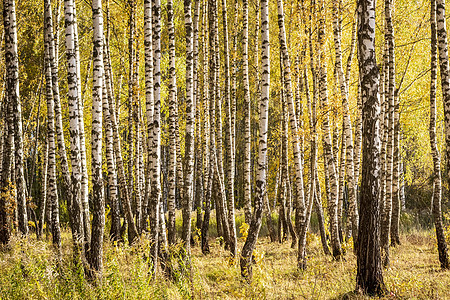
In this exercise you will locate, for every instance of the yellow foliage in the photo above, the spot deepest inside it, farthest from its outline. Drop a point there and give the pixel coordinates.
(310, 237)
(347, 245)
(243, 229)
(31, 224)
(258, 256)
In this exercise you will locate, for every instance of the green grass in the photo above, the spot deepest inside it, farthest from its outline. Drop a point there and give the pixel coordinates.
(29, 269)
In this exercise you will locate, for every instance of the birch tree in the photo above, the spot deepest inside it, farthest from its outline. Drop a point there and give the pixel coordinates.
(300, 201)
(208, 87)
(74, 118)
(98, 200)
(347, 125)
(369, 277)
(387, 208)
(190, 126)
(15, 113)
(52, 188)
(330, 159)
(229, 151)
(445, 86)
(173, 116)
(108, 97)
(43, 207)
(150, 106)
(247, 114)
(246, 260)
(156, 136)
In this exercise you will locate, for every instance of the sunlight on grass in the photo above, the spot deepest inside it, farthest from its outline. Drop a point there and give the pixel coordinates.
(30, 270)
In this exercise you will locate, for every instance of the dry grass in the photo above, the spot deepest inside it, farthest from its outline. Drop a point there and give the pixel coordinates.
(30, 270)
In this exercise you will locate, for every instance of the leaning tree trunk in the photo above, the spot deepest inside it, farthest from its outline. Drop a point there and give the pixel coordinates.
(98, 200)
(301, 255)
(221, 208)
(300, 201)
(437, 185)
(229, 152)
(261, 180)
(123, 188)
(369, 277)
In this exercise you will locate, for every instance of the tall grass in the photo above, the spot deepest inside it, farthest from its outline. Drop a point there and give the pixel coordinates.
(31, 269)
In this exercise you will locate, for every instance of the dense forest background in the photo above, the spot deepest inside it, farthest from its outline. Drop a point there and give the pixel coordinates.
(217, 77)
(411, 26)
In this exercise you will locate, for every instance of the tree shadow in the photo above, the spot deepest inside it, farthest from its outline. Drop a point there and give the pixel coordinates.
(348, 296)
(354, 295)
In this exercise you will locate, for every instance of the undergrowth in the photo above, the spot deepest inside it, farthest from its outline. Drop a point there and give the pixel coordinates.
(30, 269)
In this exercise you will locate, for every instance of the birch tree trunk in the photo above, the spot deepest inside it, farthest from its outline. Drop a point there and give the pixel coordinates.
(208, 79)
(44, 205)
(149, 103)
(229, 151)
(84, 173)
(347, 125)
(172, 125)
(369, 277)
(261, 181)
(190, 129)
(396, 205)
(247, 115)
(131, 104)
(5, 199)
(286, 198)
(284, 229)
(330, 160)
(51, 148)
(438, 33)
(300, 201)
(58, 123)
(108, 97)
(13, 98)
(123, 187)
(75, 155)
(156, 136)
(198, 187)
(98, 200)
(301, 256)
(221, 207)
(387, 212)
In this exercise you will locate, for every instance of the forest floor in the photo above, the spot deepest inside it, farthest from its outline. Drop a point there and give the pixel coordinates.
(29, 269)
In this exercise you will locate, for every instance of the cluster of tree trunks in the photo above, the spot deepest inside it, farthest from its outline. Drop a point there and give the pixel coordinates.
(161, 178)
